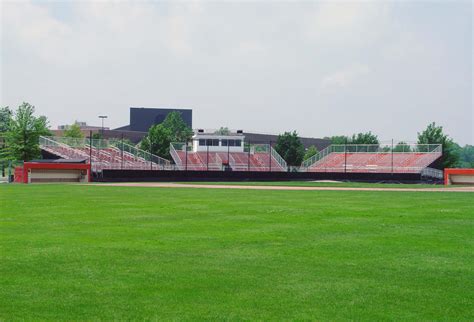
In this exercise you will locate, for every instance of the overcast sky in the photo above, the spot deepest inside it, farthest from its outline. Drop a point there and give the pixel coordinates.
(321, 68)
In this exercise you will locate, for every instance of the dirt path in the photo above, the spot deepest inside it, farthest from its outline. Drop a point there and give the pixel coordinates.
(249, 187)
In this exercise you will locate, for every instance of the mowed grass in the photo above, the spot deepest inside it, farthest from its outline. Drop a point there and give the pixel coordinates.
(75, 252)
(322, 184)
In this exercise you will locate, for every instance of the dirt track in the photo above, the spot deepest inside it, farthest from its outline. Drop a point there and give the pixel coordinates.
(180, 185)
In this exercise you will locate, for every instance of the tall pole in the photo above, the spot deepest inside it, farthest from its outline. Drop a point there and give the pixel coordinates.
(392, 156)
(102, 117)
(248, 157)
(270, 154)
(90, 149)
(121, 153)
(345, 156)
(186, 156)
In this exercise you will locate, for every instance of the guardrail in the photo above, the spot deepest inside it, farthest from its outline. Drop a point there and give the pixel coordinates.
(432, 173)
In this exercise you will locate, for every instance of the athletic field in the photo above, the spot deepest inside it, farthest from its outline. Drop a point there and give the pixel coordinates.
(72, 252)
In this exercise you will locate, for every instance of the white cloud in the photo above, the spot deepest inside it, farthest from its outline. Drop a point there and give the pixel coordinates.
(240, 62)
(347, 23)
(345, 77)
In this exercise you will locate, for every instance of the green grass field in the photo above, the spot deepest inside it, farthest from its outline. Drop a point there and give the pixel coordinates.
(70, 252)
(320, 184)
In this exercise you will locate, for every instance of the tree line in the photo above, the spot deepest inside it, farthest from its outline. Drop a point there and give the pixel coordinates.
(20, 131)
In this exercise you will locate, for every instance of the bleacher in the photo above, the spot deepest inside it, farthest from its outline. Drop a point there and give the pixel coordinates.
(237, 161)
(104, 154)
(376, 159)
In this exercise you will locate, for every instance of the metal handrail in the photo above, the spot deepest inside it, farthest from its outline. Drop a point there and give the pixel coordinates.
(278, 159)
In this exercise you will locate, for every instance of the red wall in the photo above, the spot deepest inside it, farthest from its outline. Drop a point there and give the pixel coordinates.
(41, 165)
(448, 172)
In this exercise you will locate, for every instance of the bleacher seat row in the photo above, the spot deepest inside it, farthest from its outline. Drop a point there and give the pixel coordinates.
(374, 162)
(238, 161)
(103, 158)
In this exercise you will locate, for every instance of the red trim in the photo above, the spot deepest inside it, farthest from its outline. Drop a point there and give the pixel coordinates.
(449, 171)
(59, 166)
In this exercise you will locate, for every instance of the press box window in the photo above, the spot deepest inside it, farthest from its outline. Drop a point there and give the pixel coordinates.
(202, 142)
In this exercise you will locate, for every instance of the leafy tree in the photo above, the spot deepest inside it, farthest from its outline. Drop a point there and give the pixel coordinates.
(5, 121)
(402, 147)
(312, 150)
(158, 141)
(73, 131)
(467, 156)
(22, 138)
(434, 134)
(96, 136)
(5, 118)
(159, 137)
(179, 131)
(223, 131)
(364, 138)
(290, 148)
(339, 139)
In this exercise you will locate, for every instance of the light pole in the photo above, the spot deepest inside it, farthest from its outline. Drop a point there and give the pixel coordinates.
(102, 117)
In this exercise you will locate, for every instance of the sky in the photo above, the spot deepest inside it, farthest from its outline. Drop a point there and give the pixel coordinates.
(320, 68)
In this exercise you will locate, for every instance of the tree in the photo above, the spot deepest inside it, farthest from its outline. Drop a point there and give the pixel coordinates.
(73, 131)
(339, 139)
(223, 131)
(5, 118)
(159, 137)
(402, 147)
(5, 121)
(364, 138)
(312, 150)
(290, 148)
(467, 156)
(179, 131)
(22, 138)
(433, 134)
(157, 141)
(96, 136)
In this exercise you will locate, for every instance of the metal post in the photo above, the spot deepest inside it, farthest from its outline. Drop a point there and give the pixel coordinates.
(228, 153)
(207, 156)
(186, 157)
(248, 158)
(270, 154)
(90, 148)
(392, 156)
(345, 156)
(98, 151)
(121, 153)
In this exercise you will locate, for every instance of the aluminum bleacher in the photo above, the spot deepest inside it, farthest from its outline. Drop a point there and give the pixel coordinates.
(414, 158)
(103, 154)
(257, 158)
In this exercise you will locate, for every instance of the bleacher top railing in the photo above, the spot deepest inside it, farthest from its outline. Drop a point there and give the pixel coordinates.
(373, 148)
